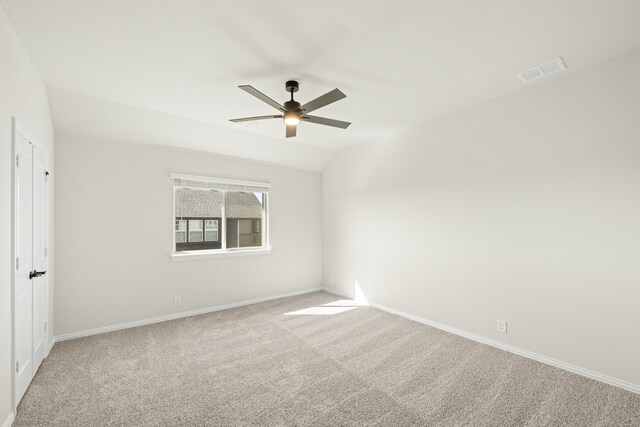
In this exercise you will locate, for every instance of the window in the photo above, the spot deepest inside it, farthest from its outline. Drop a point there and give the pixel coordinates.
(181, 231)
(216, 216)
(195, 230)
(211, 230)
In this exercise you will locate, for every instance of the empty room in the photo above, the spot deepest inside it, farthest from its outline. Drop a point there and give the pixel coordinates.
(331, 213)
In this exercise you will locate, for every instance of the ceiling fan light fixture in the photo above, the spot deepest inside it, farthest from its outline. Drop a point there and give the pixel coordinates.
(292, 112)
(291, 118)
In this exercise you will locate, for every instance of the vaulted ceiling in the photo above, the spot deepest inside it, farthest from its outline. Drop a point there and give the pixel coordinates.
(166, 72)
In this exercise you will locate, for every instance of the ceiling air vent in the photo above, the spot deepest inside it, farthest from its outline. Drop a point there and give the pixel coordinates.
(542, 70)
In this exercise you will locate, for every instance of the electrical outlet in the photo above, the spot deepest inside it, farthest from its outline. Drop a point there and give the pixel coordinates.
(177, 301)
(502, 326)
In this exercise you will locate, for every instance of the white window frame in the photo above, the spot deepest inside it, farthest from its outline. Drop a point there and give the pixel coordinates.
(223, 184)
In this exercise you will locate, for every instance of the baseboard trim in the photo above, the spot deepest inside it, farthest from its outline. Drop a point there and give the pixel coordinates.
(173, 316)
(635, 388)
(9, 420)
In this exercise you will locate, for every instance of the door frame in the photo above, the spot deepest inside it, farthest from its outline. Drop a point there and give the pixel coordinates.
(18, 128)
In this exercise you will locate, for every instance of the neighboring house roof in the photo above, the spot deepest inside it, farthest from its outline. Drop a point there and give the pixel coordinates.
(207, 203)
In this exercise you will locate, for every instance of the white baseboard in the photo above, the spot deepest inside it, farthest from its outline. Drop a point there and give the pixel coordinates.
(180, 315)
(9, 420)
(635, 388)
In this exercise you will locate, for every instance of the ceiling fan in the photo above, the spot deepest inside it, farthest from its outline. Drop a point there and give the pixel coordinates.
(292, 112)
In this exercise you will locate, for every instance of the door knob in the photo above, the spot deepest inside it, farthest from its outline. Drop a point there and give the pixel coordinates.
(36, 273)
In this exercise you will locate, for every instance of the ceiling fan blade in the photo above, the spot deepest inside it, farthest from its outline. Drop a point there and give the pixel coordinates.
(326, 122)
(291, 130)
(321, 101)
(261, 96)
(248, 119)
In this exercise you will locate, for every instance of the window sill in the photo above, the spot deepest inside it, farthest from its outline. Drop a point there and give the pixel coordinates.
(187, 256)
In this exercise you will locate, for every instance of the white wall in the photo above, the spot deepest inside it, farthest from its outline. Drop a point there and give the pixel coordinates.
(525, 208)
(114, 225)
(23, 95)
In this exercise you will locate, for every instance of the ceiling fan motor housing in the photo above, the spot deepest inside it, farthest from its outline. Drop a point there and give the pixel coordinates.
(292, 106)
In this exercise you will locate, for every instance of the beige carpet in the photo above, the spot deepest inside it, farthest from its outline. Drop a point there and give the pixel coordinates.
(258, 365)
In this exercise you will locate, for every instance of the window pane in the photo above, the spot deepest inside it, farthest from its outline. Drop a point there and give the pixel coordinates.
(195, 236)
(195, 230)
(181, 231)
(198, 212)
(242, 210)
(211, 230)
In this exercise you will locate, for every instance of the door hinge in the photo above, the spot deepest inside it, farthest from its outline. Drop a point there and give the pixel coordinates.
(45, 326)
(18, 161)
(17, 263)
(17, 367)
(46, 251)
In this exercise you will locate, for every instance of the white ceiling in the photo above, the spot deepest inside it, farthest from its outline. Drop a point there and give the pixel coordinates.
(166, 72)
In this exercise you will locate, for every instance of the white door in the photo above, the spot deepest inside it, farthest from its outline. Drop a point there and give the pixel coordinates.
(39, 251)
(24, 262)
(31, 261)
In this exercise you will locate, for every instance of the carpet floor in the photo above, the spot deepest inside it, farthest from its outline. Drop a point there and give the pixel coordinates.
(308, 360)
